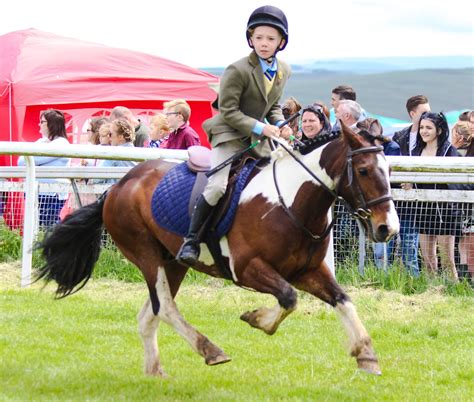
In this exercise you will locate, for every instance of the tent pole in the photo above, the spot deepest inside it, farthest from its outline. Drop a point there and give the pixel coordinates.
(10, 117)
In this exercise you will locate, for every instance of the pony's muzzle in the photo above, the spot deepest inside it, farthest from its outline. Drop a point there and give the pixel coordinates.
(384, 233)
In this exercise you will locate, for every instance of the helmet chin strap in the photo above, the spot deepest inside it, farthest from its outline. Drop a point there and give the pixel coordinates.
(270, 59)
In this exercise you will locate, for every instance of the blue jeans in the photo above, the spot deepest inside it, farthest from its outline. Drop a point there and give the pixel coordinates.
(409, 242)
(49, 208)
(381, 255)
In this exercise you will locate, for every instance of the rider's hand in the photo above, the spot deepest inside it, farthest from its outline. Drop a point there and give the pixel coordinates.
(271, 131)
(286, 132)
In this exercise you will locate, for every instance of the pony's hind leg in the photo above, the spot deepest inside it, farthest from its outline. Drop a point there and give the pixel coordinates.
(262, 277)
(170, 314)
(321, 283)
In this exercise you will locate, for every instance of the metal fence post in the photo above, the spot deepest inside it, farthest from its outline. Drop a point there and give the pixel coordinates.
(28, 221)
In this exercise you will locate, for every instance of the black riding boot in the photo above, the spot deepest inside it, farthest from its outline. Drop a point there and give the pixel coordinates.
(189, 251)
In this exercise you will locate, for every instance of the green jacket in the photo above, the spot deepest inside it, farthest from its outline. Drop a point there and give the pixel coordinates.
(243, 101)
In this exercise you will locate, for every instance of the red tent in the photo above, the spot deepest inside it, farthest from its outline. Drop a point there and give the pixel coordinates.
(39, 70)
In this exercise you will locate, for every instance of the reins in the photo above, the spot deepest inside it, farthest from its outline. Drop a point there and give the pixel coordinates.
(362, 213)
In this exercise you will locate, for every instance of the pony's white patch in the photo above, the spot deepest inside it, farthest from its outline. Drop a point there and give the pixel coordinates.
(147, 328)
(351, 321)
(205, 256)
(290, 177)
(392, 216)
(207, 259)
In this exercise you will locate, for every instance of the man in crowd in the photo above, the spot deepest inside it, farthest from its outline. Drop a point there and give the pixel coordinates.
(349, 112)
(182, 136)
(344, 92)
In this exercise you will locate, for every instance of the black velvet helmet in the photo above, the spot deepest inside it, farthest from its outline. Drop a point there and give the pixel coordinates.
(269, 16)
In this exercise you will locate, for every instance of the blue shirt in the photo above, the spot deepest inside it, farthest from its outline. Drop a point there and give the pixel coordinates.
(50, 161)
(115, 163)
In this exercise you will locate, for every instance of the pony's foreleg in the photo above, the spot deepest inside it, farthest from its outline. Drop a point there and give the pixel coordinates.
(360, 342)
(147, 327)
(170, 314)
(263, 278)
(321, 283)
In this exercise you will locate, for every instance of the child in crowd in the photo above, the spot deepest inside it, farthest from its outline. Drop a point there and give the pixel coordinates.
(159, 130)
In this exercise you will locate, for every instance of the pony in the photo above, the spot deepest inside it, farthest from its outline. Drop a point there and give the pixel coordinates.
(276, 244)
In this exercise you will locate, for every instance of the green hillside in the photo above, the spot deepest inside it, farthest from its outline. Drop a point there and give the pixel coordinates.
(386, 93)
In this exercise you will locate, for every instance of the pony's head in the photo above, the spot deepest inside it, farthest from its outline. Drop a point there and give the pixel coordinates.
(365, 185)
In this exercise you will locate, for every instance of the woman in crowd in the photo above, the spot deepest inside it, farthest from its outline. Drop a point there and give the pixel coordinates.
(94, 137)
(438, 222)
(159, 130)
(314, 121)
(52, 127)
(463, 140)
(94, 126)
(461, 136)
(122, 134)
(104, 134)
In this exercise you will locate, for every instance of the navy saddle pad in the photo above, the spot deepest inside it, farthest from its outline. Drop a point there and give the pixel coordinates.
(169, 204)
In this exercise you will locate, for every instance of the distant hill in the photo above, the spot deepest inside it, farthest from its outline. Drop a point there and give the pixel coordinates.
(386, 93)
(374, 65)
(386, 64)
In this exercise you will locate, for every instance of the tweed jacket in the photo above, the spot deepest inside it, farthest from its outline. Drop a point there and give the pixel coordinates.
(243, 101)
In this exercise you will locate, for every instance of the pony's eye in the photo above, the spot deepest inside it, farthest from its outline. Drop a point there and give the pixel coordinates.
(363, 172)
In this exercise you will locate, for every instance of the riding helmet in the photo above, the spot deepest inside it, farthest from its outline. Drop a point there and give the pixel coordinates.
(269, 16)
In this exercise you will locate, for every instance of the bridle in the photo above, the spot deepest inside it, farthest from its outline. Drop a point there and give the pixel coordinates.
(362, 213)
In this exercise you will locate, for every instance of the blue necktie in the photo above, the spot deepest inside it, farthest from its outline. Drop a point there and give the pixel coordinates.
(269, 74)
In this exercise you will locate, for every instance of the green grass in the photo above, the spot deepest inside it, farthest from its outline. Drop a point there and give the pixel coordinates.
(113, 265)
(86, 347)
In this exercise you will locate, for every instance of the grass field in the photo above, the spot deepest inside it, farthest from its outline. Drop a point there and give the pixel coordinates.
(86, 347)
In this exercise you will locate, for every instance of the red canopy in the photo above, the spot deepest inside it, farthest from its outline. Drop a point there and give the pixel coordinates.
(40, 70)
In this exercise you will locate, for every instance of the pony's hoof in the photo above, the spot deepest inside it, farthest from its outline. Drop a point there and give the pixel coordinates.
(246, 316)
(253, 319)
(370, 366)
(157, 372)
(219, 359)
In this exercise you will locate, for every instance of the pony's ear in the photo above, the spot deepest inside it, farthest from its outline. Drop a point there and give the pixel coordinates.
(354, 140)
(375, 128)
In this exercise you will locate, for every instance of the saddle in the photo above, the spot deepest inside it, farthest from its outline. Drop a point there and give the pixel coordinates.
(199, 162)
(175, 196)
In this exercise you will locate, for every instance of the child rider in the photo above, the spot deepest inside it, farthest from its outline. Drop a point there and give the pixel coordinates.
(250, 90)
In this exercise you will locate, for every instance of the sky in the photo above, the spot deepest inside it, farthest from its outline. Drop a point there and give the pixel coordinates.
(205, 33)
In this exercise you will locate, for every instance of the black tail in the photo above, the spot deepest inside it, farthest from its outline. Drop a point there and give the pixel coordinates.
(71, 249)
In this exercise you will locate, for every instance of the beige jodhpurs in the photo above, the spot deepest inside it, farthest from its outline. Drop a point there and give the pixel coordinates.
(217, 183)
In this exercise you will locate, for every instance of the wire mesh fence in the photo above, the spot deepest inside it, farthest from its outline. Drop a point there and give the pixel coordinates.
(436, 233)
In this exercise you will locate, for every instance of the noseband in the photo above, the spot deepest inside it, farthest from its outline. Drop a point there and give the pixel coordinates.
(363, 212)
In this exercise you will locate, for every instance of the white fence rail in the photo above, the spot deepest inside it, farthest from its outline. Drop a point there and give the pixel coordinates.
(404, 169)
(71, 151)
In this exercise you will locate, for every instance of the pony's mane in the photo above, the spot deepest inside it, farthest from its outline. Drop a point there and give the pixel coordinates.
(316, 142)
(371, 138)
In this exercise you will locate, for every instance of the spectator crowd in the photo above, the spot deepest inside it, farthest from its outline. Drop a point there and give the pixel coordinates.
(430, 232)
